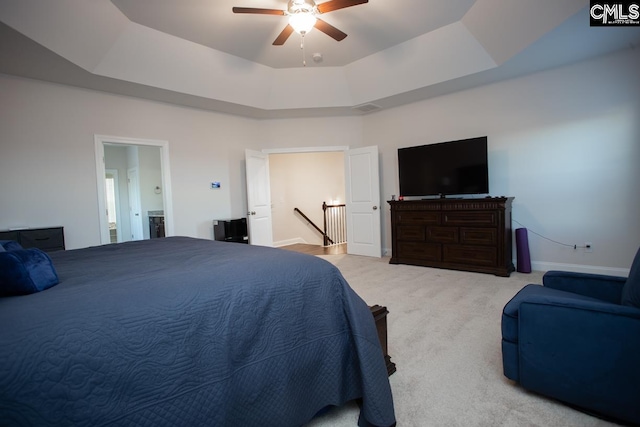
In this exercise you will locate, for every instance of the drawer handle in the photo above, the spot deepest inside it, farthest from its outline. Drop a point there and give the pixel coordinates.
(40, 239)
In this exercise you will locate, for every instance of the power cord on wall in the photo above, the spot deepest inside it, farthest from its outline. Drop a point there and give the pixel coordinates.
(551, 240)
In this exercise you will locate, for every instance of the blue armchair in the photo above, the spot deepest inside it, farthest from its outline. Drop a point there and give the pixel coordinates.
(577, 339)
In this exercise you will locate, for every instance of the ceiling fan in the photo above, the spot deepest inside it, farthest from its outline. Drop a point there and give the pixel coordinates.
(303, 16)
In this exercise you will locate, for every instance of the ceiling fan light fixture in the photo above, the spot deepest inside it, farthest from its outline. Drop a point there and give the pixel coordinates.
(302, 15)
(295, 6)
(302, 22)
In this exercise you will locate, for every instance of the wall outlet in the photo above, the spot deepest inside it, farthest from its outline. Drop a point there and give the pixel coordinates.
(588, 247)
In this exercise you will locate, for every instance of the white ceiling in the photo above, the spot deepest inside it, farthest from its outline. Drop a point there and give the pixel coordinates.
(198, 53)
(370, 27)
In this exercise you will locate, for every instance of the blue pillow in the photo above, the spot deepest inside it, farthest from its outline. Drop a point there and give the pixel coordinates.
(631, 289)
(25, 271)
(10, 245)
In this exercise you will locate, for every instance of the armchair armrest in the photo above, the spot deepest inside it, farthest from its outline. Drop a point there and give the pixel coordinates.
(600, 286)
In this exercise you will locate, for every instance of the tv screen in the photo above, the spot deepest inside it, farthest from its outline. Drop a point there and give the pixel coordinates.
(448, 168)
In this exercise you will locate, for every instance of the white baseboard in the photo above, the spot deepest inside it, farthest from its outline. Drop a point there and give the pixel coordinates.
(578, 268)
(289, 242)
(547, 266)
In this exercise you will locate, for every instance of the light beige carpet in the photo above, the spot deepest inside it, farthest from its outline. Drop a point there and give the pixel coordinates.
(444, 336)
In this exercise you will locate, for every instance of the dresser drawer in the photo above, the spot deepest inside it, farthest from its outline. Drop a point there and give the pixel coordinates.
(421, 251)
(471, 218)
(442, 234)
(9, 235)
(470, 255)
(411, 233)
(478, 236)
(47, 239)
(419, 217)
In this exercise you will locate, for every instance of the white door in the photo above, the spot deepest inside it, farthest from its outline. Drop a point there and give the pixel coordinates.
(258, 198)
(134, 204)
(363, 202)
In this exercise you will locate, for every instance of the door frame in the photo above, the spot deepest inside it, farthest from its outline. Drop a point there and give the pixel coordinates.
(341, 148)
(305, 149)
(323, 149)
(100, 141)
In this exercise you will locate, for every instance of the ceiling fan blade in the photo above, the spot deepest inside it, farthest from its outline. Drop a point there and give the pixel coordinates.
(331, 5)
(283, 36)
(330, 30)
(258, 11)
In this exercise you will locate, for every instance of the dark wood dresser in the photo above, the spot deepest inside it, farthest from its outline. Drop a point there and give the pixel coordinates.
(47, 239)
(459, 234)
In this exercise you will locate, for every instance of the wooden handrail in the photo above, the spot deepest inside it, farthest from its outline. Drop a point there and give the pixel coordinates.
(314, 226)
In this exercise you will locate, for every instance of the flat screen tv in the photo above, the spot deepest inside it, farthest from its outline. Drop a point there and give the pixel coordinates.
(444, 169)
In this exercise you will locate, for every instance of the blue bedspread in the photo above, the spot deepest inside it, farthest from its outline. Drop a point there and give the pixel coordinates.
(189, 332)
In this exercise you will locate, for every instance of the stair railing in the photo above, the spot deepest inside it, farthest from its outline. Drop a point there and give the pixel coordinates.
(324, 234)
(334, 222)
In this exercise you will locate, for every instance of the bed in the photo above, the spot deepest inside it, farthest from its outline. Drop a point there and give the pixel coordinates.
(189, 332)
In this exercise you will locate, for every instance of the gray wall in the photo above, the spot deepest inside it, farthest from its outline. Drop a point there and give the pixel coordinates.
(564, 143)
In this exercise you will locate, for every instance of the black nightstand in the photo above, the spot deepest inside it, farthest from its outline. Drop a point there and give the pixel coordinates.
(48, 239)
(231, 230)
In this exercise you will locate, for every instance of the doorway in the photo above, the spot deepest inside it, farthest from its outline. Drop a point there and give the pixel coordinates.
(362, 195)
(146, 165)
(300, 184)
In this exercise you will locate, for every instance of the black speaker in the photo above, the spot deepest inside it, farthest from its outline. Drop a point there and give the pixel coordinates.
(231, 230)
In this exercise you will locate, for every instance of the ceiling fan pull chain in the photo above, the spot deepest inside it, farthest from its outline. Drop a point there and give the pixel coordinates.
(304, 61)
